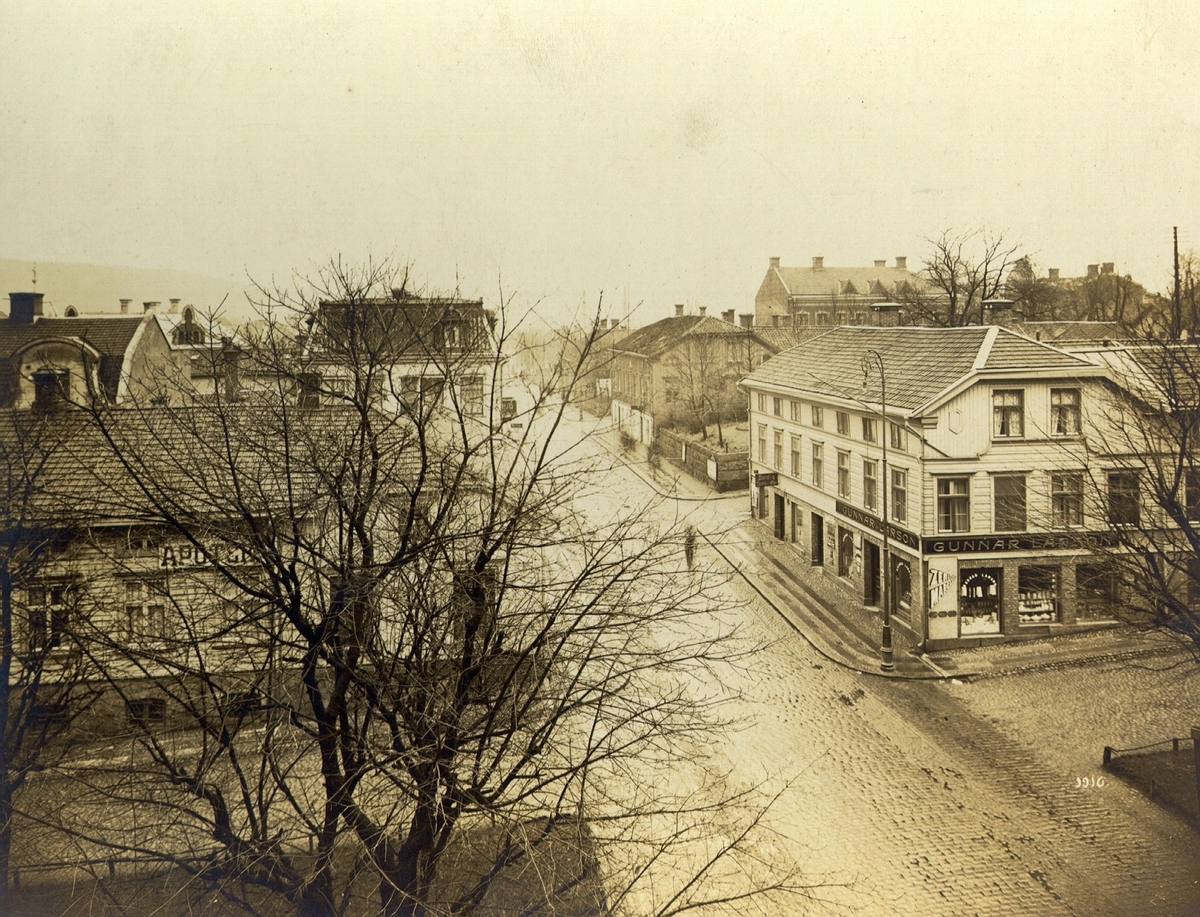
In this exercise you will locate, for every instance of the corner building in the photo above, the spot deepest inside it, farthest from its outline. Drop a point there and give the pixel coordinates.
(973, 452)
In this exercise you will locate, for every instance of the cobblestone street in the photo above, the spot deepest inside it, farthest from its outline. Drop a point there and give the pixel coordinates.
(955, 796)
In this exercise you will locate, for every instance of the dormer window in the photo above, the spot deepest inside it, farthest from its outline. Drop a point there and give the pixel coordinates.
(50, 389)
(310, 389)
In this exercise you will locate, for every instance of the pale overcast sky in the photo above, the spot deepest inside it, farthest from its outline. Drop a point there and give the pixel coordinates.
(566, 149)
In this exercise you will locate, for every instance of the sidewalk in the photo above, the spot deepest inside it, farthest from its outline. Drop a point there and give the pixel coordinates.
(829, 613)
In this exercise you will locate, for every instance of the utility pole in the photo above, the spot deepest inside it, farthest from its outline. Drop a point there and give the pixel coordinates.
(1177, 311)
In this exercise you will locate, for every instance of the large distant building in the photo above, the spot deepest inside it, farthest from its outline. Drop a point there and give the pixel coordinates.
(820, 295)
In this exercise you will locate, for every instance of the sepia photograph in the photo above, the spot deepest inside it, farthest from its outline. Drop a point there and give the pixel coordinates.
(527, 459)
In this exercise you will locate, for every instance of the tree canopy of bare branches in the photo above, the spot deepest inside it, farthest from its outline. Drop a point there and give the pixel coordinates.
(961, 272)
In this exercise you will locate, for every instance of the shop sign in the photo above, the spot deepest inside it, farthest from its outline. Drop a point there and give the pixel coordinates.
(1035, 541)
(766, 478)
(183, 556)
(897, 534)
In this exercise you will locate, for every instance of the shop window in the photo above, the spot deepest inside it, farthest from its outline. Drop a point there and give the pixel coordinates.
(845, 551)
(1064, 411)
(899, 505)
(843, 423)
(901, 584)
(1009, 510)
(954, 504)
(1066, 499)
(870, 484)
(1124, 499)
(1008, 413)
(1095, 592)
(818, 466)
(1037, 595)
(843, 474)
(870, 428)
(979, 603)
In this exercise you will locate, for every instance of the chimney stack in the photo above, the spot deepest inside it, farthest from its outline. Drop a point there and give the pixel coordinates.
(819, 263)
(125, 306)
(880, 262)
(174, 306)
(729, 316)
(1053, 273)
(747, 318)
(902, 262)
(775, 263)
(678, 309)
(1093, 270)
(148, 307)
(703, 310)
(1107, 267)
(23, 308)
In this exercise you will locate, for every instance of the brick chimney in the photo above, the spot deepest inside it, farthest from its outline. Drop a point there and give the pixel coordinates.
(23, 308)
(902, 262)
(678, 309)
(747, 319)
(774, 263)
(1093, 270)
(150, 306)
(818, 262)
(880, 262)
(125, 306)
(174, 306)
(1107, 267)
(703, 309)
(1053, 273)
(729, 316)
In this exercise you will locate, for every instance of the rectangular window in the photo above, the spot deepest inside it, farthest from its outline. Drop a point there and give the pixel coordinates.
(818, 466)
(49, 614)
(1191, 493)
(762, 404)
(817, 416)
(1037, 595)
(777, 407)
(796, 411)
(1064, 411)
(1066, 499)
(762, 443)
(899, 495)
(870, 430)
(870, 484)
(778, 444)
(310, 389)
(843, 474)
(431, 390)
(1124, 498)
(1008, 413)
(472, 395)
(50, 389)
(954, 504)
(796, 457)
(897, 437)
(146, 610)
(1009, 509)
(843, 423)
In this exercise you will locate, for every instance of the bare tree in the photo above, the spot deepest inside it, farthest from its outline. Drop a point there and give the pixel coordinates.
(43, 684)
(700, 373)
(961, 273)
(447, 674)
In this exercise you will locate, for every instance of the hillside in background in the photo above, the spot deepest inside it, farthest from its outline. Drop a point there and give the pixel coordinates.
(98, 288)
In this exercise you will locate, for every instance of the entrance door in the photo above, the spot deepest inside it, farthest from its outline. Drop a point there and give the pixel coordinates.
(870, 573)
(818, 540)
(979, 601)
(780, 516)
(845, 545)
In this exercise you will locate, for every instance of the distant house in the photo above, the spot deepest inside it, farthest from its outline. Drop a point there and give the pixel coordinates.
(45, 360)
(824, 296)
(981, 488)
(661, 370)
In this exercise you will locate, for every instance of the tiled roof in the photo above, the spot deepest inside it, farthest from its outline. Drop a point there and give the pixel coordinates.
(110, 335)
(190, 455)
(1072, 332)
(831, 281)
(654, 340)
(782, 338)
(920, 363)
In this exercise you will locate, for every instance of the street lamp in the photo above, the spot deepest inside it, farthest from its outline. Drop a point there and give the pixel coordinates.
(885, 644)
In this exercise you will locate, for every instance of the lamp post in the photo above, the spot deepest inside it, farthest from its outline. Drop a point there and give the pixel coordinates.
(872, 358)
